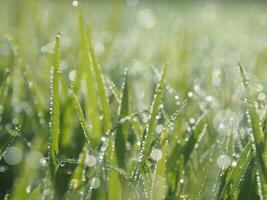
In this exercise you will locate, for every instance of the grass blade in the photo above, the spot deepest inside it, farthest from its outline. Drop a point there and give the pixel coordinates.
(85, 127)
(234, 176)
(122, 129)
(54, 111)
(86, 66)
(101, 89)
(9, 141)
(148, 132)
(258, 136)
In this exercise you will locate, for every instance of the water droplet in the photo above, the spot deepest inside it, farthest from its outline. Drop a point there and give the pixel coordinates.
(28, 189)
(190, 94)
(13, 155)
(261, 96)
(72, 75)
(74, 183)
(156, 154)
(234, 163)
(192, 120)
(95, 182)
(75, 3)
(3, 168)
(159, 128)
(209, 98)
(223, 161)
(145, 117)
(181, 181)
(176, 97)
(43, 162)
(91, 161)
(258, 87)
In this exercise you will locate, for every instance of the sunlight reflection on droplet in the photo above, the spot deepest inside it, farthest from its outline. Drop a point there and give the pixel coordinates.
(190, 94)
(75, 3)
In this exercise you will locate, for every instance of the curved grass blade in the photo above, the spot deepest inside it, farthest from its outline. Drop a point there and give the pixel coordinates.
(258, 136)
(9, 141)
(234, 177)
(85, 127)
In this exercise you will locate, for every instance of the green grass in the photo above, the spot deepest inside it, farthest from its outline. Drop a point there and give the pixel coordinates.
(112, 100)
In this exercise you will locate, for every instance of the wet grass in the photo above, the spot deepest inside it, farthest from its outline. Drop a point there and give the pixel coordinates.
(132, 100)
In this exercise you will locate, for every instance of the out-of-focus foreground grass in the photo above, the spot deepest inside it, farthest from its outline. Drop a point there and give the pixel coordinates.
(75, 124)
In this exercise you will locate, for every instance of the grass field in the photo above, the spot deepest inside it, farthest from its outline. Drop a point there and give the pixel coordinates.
(131, 99)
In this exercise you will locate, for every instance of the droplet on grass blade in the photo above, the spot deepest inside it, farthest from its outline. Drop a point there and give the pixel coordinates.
(95, 182)
(223, 161)
(156, 154)
(13, 155)
(159, 128)
(28, 189)
(190, 94)
(72, 75)
(91, 161)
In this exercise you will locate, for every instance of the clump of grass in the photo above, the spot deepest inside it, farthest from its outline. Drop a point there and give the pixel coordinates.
(104, 135)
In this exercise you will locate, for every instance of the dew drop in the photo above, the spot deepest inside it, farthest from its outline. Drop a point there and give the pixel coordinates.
(223, 161)
(159, 128)
(13, 155)
(74, 183)
(261, 96)
(28, 189)
(75, 3)
(72, 75)
(91, 161)
(234, 163)
(258, 87)
(192, 120)
(209, 98)
(190, 94)
(95, 183)
(156, 154)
